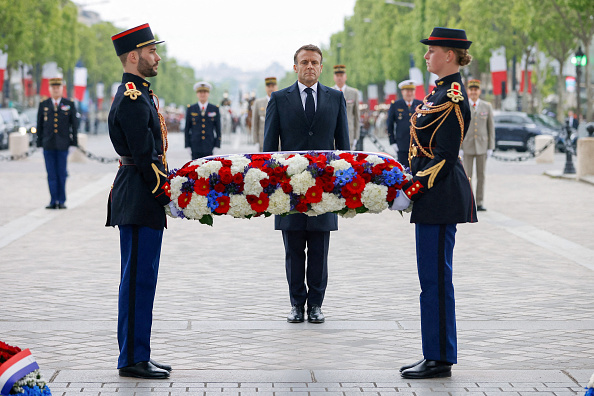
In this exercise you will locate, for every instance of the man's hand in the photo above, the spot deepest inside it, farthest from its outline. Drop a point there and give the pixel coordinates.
(216, 150)
(401, 202)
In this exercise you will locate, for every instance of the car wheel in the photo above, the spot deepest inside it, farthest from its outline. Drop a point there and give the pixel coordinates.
(530, 145)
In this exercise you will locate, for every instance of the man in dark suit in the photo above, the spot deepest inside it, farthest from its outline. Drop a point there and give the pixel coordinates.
(306, 116)
(203, 123)
(139, 194)
(56, 131)
(399, 120)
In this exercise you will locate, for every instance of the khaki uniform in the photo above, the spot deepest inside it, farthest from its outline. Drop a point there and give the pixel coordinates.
(351, 96)
(258, 118)
(479, 138)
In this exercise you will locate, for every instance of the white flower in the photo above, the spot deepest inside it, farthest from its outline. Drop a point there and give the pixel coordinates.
(297, 164)
(252, 179)
(374, 160)
(374, 197)
(238, 163)
(302, 182)
(279, 202)
(311, 213)
(280, 158)
(339, 165)
(208, 168)
(197, 207)
(329, 203)
(350, 214)
(239, 206)
(198, 162)
(176, 184)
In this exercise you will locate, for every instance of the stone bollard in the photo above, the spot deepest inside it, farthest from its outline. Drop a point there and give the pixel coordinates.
(18, 143)
(547, 156)
(77, 155)
(585, 157)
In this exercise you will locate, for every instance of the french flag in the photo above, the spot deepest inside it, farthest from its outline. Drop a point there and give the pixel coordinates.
(498, 65)
(80, 81)
(3, 63)
(16, 368)
(416, 75)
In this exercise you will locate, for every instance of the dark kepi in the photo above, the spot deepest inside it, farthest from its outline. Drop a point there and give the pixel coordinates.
(446, 37)
(134, 38)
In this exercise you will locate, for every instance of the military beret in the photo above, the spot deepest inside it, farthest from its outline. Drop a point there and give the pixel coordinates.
(131, 39)
(446, 37)
(474, 83)
(407, 84)
(339, 69)
(55, 81)
(202, 86)
(270, 80)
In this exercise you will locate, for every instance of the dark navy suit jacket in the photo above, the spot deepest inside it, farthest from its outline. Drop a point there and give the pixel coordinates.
(286, 123)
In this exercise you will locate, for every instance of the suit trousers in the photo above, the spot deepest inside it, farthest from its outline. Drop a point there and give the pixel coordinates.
(55, 164)
(140, 249)
(481, 162)
(435, 247)
(317, 243)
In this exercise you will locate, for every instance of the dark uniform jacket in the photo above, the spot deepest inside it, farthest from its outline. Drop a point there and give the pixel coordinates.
(141, 190)
(440, 188)
(57, 129)
(399, 122)
(286, 122)
(203, 131)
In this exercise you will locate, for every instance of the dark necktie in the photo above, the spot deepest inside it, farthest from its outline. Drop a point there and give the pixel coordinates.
(310, 106)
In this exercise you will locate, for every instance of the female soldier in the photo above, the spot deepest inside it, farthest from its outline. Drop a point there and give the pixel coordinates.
(442, 197)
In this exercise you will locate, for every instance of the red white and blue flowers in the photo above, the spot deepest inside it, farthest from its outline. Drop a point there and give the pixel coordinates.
(19, 373)
(313, 183)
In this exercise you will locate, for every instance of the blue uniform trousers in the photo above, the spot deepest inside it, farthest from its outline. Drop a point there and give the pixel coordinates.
(140, 249)
(435, 247)
(55, 164)
(317, 243)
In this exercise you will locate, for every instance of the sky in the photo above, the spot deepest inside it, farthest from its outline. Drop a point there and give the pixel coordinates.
(249, 34)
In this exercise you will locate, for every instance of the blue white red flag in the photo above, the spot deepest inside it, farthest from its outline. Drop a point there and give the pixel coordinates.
(16, 368)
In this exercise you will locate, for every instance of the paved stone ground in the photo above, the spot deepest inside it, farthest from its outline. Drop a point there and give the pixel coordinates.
(523, 278)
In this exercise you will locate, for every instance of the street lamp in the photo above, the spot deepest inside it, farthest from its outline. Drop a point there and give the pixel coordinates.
(579, 60)
(401, 3)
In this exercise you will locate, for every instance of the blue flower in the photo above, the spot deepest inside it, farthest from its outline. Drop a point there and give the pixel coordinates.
(188, 186)
(391, 177)
(212, 199)
(344, 177)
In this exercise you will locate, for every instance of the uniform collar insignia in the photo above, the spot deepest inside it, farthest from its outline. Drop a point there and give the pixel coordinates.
(145, 84)
(439, 82)
(131, 91)
(455, 93)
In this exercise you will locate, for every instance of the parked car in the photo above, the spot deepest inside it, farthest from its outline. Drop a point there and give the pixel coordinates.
(28, 121)
(551, 126)
(11, 118)
(3, 134)
(514, 130)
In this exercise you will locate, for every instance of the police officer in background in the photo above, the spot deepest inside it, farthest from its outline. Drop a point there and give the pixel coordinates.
(351, 96)
(57, 128)
(398, 121)
(259, 112)
(138, 197)
(203, 124)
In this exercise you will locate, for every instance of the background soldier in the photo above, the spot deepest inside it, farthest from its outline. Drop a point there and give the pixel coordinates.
(398, 122)
(259, 112)
(479, 141)
(56, 131)
(203, 123)
(351, 96)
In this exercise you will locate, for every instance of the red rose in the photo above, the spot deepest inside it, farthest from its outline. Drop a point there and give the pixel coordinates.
(301, 207)
(354, 201)
(184, 199)
(347, 157)
(279, 170)
(192, 175)
(329, 170)
(238, 178)
(261, 157)
(264, 183)
(202, 186)
(219, 187)
(391, 194)
(367, 177)
(223, 204)
(376, 170)
(287, 188)
(258, 202)
(361, 157)
(226, 162)
(314, 194)
(225, 174)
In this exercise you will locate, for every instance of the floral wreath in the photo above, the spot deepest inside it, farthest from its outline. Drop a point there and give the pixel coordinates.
(19, 373)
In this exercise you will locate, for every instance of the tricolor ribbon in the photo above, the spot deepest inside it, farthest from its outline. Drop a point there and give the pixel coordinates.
(16, 368)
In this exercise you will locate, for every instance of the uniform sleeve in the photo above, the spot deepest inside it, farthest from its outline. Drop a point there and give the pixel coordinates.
(447, 146)
(490, 128)
(341, 134)
(271, 126)
(187, 127)
(255, 123)
(74, 125)
(390, 123)
(357, 115)
(40, 126)
(134, 117)
(218, 127)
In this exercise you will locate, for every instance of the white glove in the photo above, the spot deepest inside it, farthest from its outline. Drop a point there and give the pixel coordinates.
(394, 147)
(461, 153)
(189, 150)
(216, 150)
(401, 202)
(72, 149)
(489, 153)
(172, 211)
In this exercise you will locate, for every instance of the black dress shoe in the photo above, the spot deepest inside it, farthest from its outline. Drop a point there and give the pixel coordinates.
(406, 367)
(481, 208)
(52, 206)
(61, 206)
(144, 370)
(428, 369)
(297, 314)
(315, 315)
(161, 365)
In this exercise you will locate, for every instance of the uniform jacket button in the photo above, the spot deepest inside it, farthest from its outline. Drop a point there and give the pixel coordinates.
(310, 133)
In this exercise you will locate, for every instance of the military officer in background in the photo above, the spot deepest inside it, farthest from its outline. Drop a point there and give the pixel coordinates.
(351, 96)
(56, 131)
(139, 194)
(203, 123)
(398, 121)
(479, 142)
(259, 112)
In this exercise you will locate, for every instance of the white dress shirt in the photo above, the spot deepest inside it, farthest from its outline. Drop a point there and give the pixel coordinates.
(304, 94)
(202, 106)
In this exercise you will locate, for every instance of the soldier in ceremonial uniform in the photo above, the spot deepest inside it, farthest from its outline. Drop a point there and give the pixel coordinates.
(138, 197)
(57, 128)
(259, 111)
(398, 121)
(351, 96)
(478, 145)
(203, 123)
(442, 197)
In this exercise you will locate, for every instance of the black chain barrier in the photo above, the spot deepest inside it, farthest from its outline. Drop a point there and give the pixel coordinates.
(33, 150)
(98, 158)
(524, 157)
(18, 157)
